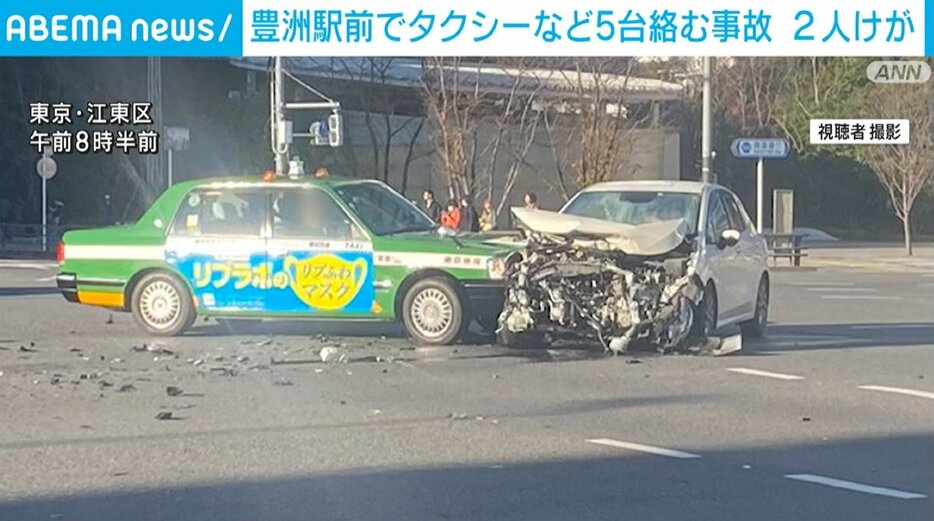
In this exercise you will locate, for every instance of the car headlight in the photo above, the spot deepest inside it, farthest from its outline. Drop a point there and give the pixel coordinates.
(496, 267)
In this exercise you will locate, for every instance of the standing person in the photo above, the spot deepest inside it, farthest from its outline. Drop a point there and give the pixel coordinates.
(487, 216)
(451, 219)
(432, 208)
(469, 220)
(531, 201)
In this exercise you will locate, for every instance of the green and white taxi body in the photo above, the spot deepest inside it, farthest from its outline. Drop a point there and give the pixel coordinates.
(327, 248)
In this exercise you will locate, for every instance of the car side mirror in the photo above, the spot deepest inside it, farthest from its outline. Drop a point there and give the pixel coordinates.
(728, 238)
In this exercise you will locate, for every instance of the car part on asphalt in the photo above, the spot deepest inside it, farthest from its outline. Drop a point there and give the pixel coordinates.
(583, 284)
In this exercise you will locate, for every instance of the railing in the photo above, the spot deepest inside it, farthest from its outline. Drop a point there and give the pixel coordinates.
(787, 245)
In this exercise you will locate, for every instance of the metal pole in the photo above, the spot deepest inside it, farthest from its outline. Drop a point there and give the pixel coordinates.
(45, 217)
(705, 124)
(170, 168)
(760, 188)
(278, 113)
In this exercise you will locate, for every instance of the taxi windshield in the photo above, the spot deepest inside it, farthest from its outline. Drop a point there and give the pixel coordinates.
(382, 209)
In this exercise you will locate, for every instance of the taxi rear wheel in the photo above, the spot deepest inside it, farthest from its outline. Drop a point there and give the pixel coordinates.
(162, 305)
(432, 312)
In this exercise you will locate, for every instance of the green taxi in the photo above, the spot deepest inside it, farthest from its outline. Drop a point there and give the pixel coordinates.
(246, 249)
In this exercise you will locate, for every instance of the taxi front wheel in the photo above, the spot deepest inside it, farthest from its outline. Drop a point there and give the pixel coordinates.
(161, 305)
(432, 312)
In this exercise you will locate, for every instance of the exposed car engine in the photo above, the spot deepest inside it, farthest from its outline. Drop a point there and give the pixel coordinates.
(588, 287)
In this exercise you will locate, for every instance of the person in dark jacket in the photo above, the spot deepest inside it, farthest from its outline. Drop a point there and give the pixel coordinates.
(470, 222)
(432, 207)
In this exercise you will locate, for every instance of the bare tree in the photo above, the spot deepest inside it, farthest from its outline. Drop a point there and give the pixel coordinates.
(904, 170)
(748, 92)
(391, 120)
(591, 129)
(483, 119)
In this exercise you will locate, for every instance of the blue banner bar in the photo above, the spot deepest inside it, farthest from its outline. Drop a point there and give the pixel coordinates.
(121, 28)
(929, 27)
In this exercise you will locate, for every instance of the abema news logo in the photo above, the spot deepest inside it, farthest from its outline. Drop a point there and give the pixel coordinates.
(112, 28)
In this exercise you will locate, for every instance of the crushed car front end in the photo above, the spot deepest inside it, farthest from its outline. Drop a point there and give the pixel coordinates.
(576, 277)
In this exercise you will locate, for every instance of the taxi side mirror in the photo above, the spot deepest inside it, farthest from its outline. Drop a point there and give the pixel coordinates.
(728, 238)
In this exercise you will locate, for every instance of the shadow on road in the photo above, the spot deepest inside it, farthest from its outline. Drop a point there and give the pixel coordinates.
(28, 290)
(732, 483)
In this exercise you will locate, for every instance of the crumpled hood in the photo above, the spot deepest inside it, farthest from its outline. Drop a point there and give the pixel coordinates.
(647, 240)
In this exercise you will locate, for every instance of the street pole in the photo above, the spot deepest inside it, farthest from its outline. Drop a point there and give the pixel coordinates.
(45, 216)
(170, 168)
(760, 188)
(705, 125)
(280, 149)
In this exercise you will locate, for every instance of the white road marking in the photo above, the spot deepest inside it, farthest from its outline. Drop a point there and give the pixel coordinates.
(839, 289)
(821, 283)
(893, 326)
(767, 374)
(29, 265)
(659, 451)
(856, 487)
(858, 297)
(898, 390)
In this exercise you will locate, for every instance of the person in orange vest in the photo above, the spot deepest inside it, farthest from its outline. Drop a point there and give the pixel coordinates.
(451, 218)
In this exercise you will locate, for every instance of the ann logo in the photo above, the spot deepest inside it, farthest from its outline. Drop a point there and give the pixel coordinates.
(899, 71)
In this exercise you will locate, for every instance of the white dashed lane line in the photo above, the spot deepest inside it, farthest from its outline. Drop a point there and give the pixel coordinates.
(856, 487)
(898, 390)
(858, 297)
(767, 374)
(893, 326)
(820, 283)
(839, 289)
(638, 447)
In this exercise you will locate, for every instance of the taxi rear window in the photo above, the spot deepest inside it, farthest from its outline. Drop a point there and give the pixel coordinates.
(221, 212)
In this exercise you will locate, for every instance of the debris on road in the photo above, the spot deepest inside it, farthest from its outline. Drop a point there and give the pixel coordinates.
(282, 382)
(171, 390)
(332, 354)
(126, 388)
(273, 361)
(152, 348)
(806, 419)
(165, 415)
(30, 349)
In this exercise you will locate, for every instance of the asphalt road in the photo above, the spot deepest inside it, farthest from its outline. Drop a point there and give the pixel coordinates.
(830, 418)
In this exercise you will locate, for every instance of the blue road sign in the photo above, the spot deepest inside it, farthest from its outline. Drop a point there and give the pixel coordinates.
(760, 148)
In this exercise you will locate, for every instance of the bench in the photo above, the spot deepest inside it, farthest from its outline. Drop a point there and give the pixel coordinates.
(786, 245)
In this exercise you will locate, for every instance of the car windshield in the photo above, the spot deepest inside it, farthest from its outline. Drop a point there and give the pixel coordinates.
(383, 210)
(637, 207)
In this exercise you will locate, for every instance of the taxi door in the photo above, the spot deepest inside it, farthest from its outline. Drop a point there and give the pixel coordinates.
(322, 263)
(217, 245)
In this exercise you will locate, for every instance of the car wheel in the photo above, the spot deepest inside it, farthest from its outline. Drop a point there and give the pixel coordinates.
(161, 305)
(705, 320)
(755, 328)
(432, 312)
(238, 326)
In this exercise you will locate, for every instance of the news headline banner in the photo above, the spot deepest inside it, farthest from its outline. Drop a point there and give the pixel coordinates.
(897, 28)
